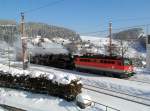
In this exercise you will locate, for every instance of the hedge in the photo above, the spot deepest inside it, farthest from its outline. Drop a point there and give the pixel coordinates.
(41, 84)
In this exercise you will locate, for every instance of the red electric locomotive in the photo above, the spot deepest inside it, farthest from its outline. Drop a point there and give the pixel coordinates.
(105, 65)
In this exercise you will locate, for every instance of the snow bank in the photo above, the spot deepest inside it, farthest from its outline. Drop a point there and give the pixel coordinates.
(60, 79)
(83, 98)
(38, 102)
(142, 74)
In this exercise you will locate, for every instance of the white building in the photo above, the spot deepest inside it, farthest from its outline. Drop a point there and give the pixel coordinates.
(148, 52)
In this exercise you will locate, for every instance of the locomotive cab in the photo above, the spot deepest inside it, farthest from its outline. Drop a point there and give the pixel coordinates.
(128, 67)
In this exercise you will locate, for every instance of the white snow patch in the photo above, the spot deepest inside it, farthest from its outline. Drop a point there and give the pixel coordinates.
(59, 78)
(83, 98)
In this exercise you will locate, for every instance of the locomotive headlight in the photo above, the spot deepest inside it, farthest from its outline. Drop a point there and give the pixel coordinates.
(130, 69)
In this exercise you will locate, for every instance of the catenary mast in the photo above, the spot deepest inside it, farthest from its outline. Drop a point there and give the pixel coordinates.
(24, 44)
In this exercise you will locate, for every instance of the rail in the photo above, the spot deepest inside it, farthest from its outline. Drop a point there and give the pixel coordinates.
(145, 102)
(10, 108)
(106, 107)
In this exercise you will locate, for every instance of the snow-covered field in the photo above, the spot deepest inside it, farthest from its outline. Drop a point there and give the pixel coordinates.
(125, 86)
(38, 102)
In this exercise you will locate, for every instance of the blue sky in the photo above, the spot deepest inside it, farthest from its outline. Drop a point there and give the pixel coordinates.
(80, 15)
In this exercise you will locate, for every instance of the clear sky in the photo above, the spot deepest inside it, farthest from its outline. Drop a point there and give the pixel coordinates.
(80, 15)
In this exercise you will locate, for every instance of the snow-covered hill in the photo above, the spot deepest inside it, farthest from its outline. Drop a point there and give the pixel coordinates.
(101, 42)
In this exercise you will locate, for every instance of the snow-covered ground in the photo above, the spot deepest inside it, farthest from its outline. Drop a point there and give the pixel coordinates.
(125, 86)
(142, 74)
(38, 102)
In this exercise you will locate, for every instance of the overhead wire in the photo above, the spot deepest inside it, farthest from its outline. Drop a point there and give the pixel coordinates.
(120, 20)
(131, 19)
(114, 29)
(44, 6)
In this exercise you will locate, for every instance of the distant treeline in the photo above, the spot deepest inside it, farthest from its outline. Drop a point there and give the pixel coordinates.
(33, 29)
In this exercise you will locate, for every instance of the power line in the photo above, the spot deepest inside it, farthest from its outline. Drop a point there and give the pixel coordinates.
(124, 20)
(44, 6)
(131, 19)
(114, 29)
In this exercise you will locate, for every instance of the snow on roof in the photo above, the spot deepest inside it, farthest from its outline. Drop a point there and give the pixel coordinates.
(61, 40)
(39, 39)
(60, 79)
(83, 98)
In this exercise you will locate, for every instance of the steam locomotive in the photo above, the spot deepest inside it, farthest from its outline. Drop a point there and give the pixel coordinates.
(113, 66)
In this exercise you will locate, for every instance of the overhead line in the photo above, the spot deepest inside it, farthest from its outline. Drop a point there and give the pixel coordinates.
(44, 6)
(126, 19)
(116, 29)
(131, 19)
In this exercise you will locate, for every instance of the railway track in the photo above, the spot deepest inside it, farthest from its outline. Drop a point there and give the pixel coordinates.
(88, 74)
(10, 108)
(72, 71)
(139, 81)
(124, 96)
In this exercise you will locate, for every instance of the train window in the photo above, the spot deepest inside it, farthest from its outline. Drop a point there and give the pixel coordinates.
(101, 61)
(112, 62)
(105, 61)
(108, 62)
(119, 63)
(83, 60)
(97, 61)
(93, 60)
(88, 60)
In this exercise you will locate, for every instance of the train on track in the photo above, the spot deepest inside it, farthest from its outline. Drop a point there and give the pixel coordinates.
(112, 66)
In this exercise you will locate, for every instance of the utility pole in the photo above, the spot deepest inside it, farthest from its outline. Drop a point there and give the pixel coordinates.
(110, 38)
(147, 48)
(24, 44)
(122, 52)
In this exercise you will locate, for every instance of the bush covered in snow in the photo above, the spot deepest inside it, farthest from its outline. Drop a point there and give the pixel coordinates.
(67, 87)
